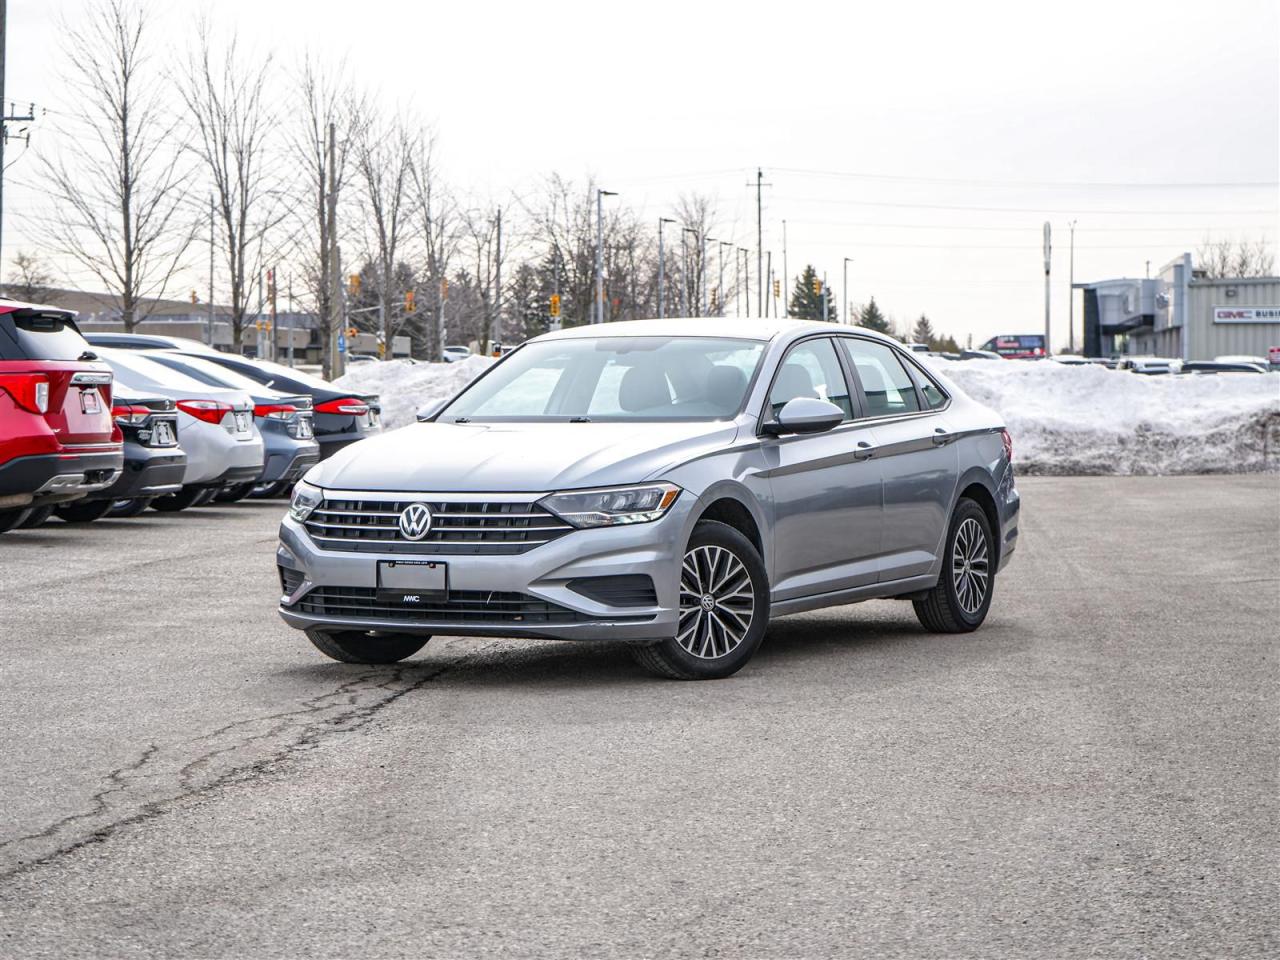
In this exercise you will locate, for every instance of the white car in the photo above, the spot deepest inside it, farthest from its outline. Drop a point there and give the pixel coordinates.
(215, 427)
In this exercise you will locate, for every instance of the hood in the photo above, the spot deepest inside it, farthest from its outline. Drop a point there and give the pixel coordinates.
(518, 457)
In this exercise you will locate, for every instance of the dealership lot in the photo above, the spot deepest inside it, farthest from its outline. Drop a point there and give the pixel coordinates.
(1093, 773)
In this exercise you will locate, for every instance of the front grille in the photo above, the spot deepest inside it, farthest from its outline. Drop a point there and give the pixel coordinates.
(624, 590)
(462, 607)
(457, 527)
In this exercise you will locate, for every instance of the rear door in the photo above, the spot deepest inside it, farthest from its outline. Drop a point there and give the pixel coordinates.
(825, 489)
(914, 448)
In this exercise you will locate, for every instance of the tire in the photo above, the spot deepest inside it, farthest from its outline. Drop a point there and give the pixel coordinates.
(173, 502)
(724, 603)
(11, 518)
(234, 492)
(962, 597)
(130, 508)
(36, 516)
(272, 491)
(206, 496)
(83, 511)
(355, 646)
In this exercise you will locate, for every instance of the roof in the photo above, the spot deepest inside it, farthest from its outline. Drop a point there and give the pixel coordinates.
(747, 328)
(9, 305)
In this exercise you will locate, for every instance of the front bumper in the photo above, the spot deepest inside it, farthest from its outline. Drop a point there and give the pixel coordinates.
(542, 573)
(57, 477)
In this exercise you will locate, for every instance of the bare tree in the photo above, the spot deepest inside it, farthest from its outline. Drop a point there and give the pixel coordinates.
(325, 105)
(1224, 258)
(438, 221)
(224, 96)
(33, 282)
(384, 158)
(119, 200)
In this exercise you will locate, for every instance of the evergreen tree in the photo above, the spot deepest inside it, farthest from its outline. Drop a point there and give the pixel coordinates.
(946, 344)
(922, 332)
(806, 298)
(873, 319)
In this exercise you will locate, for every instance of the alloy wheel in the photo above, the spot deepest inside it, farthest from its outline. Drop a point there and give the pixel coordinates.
(969, 566)
(717, 602)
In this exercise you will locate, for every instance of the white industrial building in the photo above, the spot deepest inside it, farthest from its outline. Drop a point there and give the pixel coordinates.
(1182, 314)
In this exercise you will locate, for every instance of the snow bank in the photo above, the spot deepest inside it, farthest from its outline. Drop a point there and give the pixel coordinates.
(405, 388)
(1065, 419)
(1085, 419)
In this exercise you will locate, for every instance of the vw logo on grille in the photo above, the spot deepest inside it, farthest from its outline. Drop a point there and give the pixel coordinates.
(415, 521)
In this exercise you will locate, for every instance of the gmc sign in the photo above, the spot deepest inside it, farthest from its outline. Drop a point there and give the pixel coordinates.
(1246, 314)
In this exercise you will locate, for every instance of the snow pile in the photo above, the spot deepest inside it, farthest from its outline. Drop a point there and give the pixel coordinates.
(1086, 419)
(1065, 419)
(404, 388)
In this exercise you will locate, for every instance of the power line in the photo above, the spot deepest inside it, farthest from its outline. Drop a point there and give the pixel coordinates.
(827, 201)
(1066, 184)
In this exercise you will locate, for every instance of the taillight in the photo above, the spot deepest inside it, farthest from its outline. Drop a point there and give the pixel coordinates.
(276, 411)
(124, 413)
(348, 405)
(30, 391)
(1008, 445)
(209, 411)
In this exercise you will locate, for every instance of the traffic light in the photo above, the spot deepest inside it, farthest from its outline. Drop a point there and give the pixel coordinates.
(715, 298)
(409, 306)
(555, 305)
(444, 289)
(194, 298)
(777, 289)
(817, 287)
(351, 331)
(353, 285)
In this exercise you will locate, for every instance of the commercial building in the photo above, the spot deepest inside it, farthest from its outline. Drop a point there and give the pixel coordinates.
(1180, 313)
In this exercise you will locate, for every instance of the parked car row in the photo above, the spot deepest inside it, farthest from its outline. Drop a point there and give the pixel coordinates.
(116, 423)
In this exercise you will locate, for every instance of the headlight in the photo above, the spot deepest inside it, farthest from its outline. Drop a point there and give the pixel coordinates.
(305, 499)
(613, 506)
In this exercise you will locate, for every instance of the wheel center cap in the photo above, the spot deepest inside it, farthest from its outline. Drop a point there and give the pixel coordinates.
(708, 602)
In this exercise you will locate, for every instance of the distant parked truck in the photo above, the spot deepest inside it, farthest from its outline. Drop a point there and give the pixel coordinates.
(1017, 346)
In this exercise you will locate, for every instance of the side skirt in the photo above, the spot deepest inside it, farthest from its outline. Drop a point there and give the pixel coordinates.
(870, 591)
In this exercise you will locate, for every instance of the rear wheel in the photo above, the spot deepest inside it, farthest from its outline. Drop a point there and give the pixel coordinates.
(724, 608)
(234, 492)
(35, 517)
(962, 597)
(84, 511)
(271, 491)
(173, 502)
(130, 508)
(355, 646)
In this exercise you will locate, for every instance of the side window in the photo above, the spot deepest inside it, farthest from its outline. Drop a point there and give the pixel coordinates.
(933, 395)
(811, 369)
(885, 381)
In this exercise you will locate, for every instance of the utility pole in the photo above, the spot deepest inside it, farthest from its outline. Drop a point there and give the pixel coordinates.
(844, 292)
(687, 301)
(5, 117)
(786, 277)
(662, 271)
(1047, 256)
(720, 286)
(599, 311)
(746, 278)
(497, 287)
(759, 185)
(1071, 292)
(336, 331)
(737, 283)
(768, 274)
(706, 281)
(271, 322)
(293, 316)
(259, 346)
(211, 256)
(825, 288)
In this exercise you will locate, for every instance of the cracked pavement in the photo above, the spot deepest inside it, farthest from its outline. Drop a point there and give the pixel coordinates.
(1093, 774)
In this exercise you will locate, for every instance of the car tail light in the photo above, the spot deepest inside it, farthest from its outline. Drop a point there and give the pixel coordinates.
(30, 391)
(276, 411)
(124, 413)
(1008, 445)
(352, 406)
(208, 411)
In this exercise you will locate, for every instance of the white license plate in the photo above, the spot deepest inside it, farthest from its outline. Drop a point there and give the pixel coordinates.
(242, 422)
(304, 428)
(162, 434)
(412, 582)
(90, 401)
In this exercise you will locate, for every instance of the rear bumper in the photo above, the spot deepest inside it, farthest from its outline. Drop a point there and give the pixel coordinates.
(147, 472)
(60, 476)
(289, 461)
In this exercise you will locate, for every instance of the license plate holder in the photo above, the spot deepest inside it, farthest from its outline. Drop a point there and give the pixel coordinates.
(411, 583)
(90, 401)
(162, 434)
(242, 422)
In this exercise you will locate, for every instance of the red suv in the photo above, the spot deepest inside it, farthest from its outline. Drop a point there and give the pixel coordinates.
(58, 441)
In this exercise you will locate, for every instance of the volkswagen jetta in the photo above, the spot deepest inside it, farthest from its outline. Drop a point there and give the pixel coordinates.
(669, 484)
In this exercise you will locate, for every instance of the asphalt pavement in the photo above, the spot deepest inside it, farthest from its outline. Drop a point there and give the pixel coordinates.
(1092, 774)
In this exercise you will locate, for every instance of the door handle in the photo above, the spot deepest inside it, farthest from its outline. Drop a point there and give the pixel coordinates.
(941, 437)
(864, 451)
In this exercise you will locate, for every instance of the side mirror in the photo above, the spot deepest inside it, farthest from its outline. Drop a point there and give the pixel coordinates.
(805, 415)
(430, 410)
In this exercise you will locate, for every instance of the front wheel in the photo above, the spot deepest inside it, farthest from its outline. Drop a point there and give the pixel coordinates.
(724, 608)
(234, 492)
(356, 646)
(962, 597)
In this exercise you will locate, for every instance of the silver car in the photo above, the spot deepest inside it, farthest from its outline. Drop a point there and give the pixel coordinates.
(668, 484)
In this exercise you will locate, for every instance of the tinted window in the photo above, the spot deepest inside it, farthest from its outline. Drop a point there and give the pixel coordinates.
(40, 338)
(811, 369)
(885, 381)
(933, 395)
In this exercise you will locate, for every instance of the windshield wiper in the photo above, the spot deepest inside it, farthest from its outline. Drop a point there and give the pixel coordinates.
(462, 420)
(579, 419)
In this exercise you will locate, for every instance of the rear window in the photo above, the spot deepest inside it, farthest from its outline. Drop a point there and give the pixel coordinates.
(36, 337)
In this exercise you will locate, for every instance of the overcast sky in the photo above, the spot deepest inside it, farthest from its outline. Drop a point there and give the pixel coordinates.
(927, 141)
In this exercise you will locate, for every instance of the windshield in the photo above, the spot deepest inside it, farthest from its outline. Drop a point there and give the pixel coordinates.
(615, 378)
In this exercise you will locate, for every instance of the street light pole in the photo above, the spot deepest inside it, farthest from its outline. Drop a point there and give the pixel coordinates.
(720, 286)
(746, 278)
(786, 277)
(706, 282)
(844, 292)
(662, 268)
(685, 301)
(1048, 249)
(1071, 292)
(600, 195)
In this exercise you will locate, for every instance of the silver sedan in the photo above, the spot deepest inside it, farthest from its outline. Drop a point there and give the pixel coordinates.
(667, 484)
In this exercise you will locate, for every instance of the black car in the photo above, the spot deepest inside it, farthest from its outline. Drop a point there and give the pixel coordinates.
(341, 418)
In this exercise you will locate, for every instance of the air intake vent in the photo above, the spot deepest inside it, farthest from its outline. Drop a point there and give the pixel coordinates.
(627, 590)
